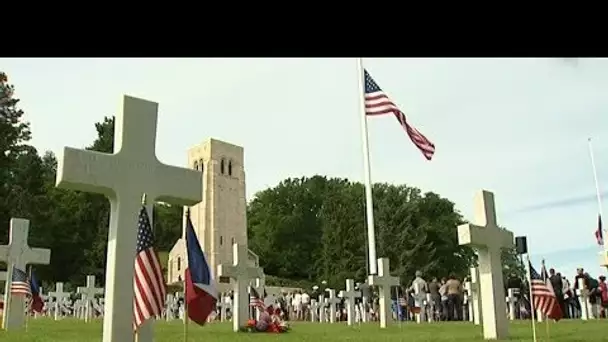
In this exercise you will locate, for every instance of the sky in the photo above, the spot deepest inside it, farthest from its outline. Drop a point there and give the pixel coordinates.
(517, 127)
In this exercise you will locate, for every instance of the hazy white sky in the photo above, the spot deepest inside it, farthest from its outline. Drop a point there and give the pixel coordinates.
(517, 127)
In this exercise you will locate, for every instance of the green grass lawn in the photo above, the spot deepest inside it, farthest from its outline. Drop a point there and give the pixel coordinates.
(70, 330)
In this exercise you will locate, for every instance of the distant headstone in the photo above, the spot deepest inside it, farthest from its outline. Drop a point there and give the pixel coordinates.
(512, 302)
(242, 274)
(88, 295)
(583, 298)
(350, 296)
(17, 255)
(384, 281)
(314, 306)
(332, 301)
(472, 288)
(59, 297)
(489, 239)
(123, 177)
(322, 302)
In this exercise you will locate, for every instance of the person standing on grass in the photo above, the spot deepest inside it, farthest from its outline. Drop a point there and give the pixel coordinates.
(434, 287)
(454, 291)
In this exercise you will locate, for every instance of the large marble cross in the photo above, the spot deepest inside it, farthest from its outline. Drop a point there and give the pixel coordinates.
(18, 254)
(350, 296)
(88, 295)
(489, 239)
(59, 296)
(124, 177)
(242, 273)
(384, 281)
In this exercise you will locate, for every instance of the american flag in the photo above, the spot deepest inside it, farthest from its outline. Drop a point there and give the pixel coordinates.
(378, 103)
(599, 235)
(255, 300)
(149, 283)
(20, 285)
(543, 296)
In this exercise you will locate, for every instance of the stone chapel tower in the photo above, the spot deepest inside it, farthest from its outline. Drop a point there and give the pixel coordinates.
(221, 218)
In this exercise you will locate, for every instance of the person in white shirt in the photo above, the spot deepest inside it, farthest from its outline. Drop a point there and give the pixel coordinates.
(305, 305)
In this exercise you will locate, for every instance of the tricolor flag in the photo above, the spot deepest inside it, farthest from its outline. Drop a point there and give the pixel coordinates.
(378, 103)
(599, 234)
(201, 294)
(37, 304)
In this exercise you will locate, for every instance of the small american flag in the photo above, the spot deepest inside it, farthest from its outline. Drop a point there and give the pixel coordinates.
(378, 103)
(543, 296)
(149, 283)
(255, 300)
(599, 235)
(20, 285)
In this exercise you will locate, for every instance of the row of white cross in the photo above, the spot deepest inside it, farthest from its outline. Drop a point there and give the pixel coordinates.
(133, 169)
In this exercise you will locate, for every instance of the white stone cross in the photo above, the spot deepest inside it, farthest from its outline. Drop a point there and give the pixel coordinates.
(242, 273)
(419, 298)
(472, 288)
(88, 295)
(350, 295)
(384, 281)
(322, 302)
(332, 301)
(511, 302)
(314, 306)
(583, 298)
(259, 285)
(59, 296)
(124, 177)
(18, 254)
(489, 240)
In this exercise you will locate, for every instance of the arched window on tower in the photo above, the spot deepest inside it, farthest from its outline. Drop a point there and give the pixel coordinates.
(179, 264)
(230, 168)
(222, 162)
(196, 165)
(201, 165)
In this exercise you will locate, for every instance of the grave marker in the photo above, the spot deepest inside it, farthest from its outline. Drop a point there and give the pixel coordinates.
(313, 310)
(384, 281)
(18, 254)
(489, 240)
(583, 299)
(242, 274)
(512, 301)
(59, 296)
(88, 295)
(350, 296)
(332, 301)
(123, 177)
(322, 302)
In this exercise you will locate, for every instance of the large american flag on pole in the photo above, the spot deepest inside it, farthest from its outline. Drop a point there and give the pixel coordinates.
(378, 103)
(543, 296)
(149, 283)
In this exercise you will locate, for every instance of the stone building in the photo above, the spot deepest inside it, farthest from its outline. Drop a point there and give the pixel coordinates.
(221, 218)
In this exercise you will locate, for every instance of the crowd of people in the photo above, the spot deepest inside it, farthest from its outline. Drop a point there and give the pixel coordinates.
(449, 300)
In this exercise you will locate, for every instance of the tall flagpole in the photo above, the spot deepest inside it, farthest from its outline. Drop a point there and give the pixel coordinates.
(597, 190)
(369, 205)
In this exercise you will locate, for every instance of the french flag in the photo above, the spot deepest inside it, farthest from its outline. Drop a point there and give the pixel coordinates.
(599, 236)
(37, 302)
(201, 294)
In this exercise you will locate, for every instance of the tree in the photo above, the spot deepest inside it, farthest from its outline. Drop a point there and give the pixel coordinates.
(314, 229)
(14, 155)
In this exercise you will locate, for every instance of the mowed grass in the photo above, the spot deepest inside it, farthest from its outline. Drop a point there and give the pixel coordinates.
(71, 330)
